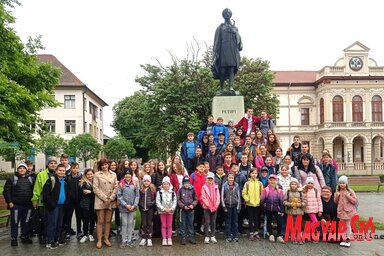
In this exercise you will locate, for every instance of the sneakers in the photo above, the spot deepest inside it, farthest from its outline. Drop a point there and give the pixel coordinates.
(79, 235)
(149, 242)
(192, 241)
(251, 237)
(91, 238)
(143, 242)
(346, 243)
(52, 245)
(83, 239)
(236, 239)
(280, 239)
(343, 243)
(257, 236)
(14, 242)
(213, 240)
(68, 236)
(183, 242)
(228, 240)
(164, 243)
(245, 222)
(272, 238)
(169, 241)
(206, 240)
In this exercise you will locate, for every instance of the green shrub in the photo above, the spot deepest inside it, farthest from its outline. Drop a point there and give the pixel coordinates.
(6, 175)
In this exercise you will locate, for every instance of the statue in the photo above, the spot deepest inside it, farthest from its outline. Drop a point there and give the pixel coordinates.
(226, 52)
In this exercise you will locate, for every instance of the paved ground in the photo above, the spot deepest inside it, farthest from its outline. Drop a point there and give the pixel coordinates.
(371, 204)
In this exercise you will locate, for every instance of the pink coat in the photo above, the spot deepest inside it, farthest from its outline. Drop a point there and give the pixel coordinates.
(346, 201)
(314, 204)
(210, 197)
(318, 177)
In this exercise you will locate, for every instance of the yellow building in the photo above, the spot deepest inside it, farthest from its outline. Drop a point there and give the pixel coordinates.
(339, 108)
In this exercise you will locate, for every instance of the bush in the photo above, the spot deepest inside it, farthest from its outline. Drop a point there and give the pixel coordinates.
(382, 178)
(6, 175)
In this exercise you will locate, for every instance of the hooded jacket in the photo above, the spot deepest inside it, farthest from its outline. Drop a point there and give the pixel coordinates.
(21, 193)
(186, 197)
(210, 197)
(127, 194)
(252, 192)
(231, 198)
(165, 199)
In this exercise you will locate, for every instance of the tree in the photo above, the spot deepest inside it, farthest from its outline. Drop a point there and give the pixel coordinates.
(119, 148)
(83, 146)
(26, 86)
(51, 144)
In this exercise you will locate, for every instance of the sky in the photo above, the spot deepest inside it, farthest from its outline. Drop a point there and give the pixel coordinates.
(104, 42)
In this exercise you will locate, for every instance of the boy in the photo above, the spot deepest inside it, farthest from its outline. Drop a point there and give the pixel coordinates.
(240, 179)
(244, 165)
(187, 201)
(220, 144)
(30, 170)
(265, 124)
(227, 162)
(188, 149)
(295, 149)
(213, 158)
(238, 148)
(231, 203)
(197, 180)
(197, 159)
(329, 171)
(208, 125)
(219, 179)
(18, 191)
(220, 128)
(65, 161)
(55, 195)
(230, 127)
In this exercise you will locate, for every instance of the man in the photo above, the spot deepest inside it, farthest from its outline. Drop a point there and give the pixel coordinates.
(30, 169)
(248, 122)
(37, 203)
(329, 206)
(188, 149)
(304, 151)
(265, 124)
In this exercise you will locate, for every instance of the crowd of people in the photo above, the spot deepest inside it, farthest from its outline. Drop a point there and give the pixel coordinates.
(232, 178)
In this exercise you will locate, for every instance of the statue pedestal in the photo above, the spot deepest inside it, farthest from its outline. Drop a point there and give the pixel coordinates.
(228, 107)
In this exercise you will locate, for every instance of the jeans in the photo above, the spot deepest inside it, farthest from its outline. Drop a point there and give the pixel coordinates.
(241, 217)
(55, 223)
(147, 223)
(209, 221)
(166, 225)
(20, 214)
(198, 214)
(127, 225)
(89, 219)
(254, 219)
(231, 222)
(186, 225)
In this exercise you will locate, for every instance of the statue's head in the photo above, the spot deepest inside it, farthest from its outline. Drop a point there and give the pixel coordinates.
(227, 13)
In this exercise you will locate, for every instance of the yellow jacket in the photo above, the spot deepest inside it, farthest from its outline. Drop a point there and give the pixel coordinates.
(252, 192)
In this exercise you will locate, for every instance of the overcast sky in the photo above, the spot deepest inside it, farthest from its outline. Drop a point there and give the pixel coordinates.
(104, 42)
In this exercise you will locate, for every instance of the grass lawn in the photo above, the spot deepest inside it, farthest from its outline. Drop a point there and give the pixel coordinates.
(4, 219)
(366, 188)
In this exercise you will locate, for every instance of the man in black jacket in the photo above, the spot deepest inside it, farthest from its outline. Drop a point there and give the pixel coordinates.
(18, 191)
(55, 197)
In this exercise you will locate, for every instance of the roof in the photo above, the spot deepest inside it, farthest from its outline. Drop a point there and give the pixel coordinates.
(67, 77)
(296, 77)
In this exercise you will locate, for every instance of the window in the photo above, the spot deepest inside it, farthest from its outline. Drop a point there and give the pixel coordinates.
(304, 116)
(69, 101)
(93, 111)
(101, 114)
(70, 126)
(101, 134)
(377, 109)
(338, 109)
(357, 109)
(51, 125)
(321, 111)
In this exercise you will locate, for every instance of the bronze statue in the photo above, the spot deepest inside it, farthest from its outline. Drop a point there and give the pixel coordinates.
(226, 52)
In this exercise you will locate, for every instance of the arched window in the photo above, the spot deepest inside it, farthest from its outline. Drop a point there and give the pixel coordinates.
(321, 111)
(377, 109)
(338, 109)
(357, 109)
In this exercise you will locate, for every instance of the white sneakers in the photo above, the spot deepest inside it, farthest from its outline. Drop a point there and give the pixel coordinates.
(272, 238)
(213, 240)
(83, 239)
(280, 239)
(206, 240)
(149, 242)
(164, 243)
(169, 241)
(91, 238)
(345, 243)
(143, 242)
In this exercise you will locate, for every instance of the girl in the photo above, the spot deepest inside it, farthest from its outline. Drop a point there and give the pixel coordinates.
(268, 162)
(177, 159)
(158, 176)
(259, 159)
(272, 144)
(251, 193)
(230, 149)
(308, 169)
(166, 204)
(272, 202)
(146, 170)
(264, 176)
(314, 205)
(105, 189)
(134, 167)
(278, 159)
(294, 202)
(205, 145)
(240, 134)
(146, 205)
(346, 201)
(248, 152)
(292, 168)
(87, 206)
(284, 177)
(210, 198)
(118, 169)
(128, 197)
(177, 182)
(259, 140)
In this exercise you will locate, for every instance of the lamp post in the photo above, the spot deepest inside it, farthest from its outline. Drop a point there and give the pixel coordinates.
(372, 148)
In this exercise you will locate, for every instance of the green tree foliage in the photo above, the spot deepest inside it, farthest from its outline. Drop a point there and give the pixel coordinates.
(12, 151)
(119, 148)
(26, 86)
(51, 144)
(177, 99)
(84, 147)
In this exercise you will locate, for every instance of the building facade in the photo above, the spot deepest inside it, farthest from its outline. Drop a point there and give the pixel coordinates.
(81, 111)
(339, 108)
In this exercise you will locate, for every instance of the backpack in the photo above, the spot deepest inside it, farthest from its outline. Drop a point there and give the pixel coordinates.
(16, 179)
(53, 181)
(301, 195)
(161, 196)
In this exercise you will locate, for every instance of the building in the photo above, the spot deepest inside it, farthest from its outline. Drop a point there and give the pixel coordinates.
(81, 110)
(339, 108)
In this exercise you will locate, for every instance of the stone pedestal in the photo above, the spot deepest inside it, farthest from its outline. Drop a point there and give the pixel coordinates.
(228, 107)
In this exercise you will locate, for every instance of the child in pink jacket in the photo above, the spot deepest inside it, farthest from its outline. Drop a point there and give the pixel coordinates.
(210, 198)
(314, 205)
(346, 201)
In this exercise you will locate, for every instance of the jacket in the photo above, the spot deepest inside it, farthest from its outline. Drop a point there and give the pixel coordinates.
(21, 193)
(51, 192)
(41, 178)
(241, 180)
(127, 194)
(157, 179)
(245, 169)
(105, 186)
(346, 204)
(175, 182)
(272, 199)
(220, 180)
(165, 199)
(197, 181)
(218, 128)
(285, 181)
(214, 160)
(252, 192)
(243, 123)
(329, 209)
(295, 202)
(294, 153)
(210, 197)
(314, 204)
(75, 187)
(147, 199)
(318, 177)
(185, 149)
(231, 198)
(329, 174)
(87, 201)
(186, 197)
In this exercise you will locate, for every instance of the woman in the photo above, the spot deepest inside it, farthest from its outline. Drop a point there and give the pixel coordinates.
(231, 149)
(278, 159)
(105, 189)
(272, 144)
(292, 168)
(308, 169)
(146, 170)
